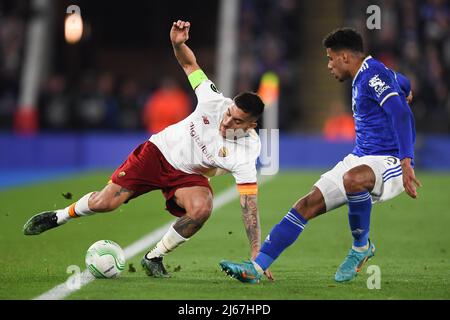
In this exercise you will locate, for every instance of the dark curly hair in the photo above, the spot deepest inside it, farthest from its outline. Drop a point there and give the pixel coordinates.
(344, 38)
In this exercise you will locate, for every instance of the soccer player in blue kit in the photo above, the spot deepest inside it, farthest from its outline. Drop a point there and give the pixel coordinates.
(379, 168)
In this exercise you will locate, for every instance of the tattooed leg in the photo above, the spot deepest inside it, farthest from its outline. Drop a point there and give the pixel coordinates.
(197, 201)
(187, 227)
(110, 198)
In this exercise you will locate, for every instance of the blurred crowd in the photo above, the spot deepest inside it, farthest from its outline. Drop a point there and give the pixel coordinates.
(97, 99)
(109, 103)
(414, 39)
(12, 35)
(270, 46)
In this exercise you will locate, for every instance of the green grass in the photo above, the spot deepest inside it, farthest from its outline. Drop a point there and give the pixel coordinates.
(411, 237)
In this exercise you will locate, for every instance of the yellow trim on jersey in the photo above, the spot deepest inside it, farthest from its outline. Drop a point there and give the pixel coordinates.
(197, 77)
(247, 189)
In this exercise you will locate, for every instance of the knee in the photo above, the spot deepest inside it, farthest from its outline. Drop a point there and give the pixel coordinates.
(98, 203)
(200, 210)
(353, 182)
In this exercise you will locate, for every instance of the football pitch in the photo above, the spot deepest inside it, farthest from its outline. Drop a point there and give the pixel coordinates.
(411, 236)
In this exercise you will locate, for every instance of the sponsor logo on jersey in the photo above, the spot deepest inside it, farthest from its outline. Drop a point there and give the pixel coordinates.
(121, 174)
(378, 85)
(198, 141)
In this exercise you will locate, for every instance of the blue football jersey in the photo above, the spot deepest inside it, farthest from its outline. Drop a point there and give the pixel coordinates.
(373, 84)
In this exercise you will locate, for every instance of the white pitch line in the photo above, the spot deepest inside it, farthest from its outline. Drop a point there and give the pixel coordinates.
(64, 289)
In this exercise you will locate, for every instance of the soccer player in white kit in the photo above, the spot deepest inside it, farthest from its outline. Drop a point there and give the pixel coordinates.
(217, 138)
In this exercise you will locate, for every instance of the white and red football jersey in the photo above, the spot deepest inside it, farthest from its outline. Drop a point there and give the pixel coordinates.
(196, 146)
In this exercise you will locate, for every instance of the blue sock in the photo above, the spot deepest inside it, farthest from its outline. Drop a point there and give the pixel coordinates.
(359, 207)
(282, 236)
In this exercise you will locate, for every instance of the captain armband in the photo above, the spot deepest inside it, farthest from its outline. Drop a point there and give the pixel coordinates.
(196, 78)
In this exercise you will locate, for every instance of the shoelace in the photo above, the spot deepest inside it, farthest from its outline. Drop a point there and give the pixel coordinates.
(248, 266)
(352, 257)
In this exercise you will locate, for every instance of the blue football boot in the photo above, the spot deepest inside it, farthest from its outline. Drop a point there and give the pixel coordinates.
(353, 263)
(244, 272)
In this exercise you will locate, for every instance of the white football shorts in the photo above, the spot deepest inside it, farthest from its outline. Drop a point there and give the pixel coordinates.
(388, 179)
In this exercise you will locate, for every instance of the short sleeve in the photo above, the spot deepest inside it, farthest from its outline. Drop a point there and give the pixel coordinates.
(382, 86)
(246, 181)
(245, 173)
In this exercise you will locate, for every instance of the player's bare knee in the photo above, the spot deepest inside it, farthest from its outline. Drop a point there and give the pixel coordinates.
(200, 210)
(353, 182)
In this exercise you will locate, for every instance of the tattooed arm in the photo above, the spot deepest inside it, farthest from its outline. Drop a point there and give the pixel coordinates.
(252, 227)
(250, 217)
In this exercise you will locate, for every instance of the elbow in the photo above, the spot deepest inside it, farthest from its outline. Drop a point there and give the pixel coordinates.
(406, 114)
(403, 114)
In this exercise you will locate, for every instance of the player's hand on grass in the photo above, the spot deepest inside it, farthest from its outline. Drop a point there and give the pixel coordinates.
(409, 98)
(269, 275)
(410, 182)
(179, 33)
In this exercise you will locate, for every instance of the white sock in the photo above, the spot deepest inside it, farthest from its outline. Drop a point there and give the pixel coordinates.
(77, 209)
(258, 268)
(168, 243)
(361, 249)
(82, 206)
(63, 215)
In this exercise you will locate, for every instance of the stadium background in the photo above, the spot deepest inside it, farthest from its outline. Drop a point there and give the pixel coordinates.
(93, 100)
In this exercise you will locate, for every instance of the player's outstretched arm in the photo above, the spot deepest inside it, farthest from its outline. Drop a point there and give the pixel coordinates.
(403, 123)
(179, 34)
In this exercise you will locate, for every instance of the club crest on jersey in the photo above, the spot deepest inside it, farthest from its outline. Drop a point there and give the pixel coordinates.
(205, 120)
(121, 174)
(378, 85)
(391, 160)
(223, 152)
